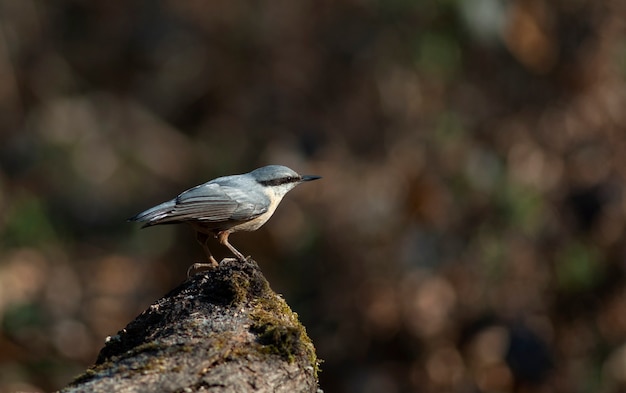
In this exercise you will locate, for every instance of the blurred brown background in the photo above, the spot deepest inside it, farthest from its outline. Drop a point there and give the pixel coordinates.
(468, 234)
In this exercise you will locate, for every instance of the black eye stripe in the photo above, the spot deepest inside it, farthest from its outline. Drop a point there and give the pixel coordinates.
(278, 182)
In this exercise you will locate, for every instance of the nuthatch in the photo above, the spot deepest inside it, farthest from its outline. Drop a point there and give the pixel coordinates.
(227, 204)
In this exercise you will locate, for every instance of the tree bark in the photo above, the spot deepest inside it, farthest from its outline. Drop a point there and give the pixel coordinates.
(224, 330)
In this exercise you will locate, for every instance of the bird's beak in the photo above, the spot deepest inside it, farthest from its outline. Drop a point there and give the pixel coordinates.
(310, 177)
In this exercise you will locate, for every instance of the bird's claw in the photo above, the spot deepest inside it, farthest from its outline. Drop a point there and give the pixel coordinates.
(199, 265)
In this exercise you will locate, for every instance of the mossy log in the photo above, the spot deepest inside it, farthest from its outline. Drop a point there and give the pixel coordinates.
(224, 330)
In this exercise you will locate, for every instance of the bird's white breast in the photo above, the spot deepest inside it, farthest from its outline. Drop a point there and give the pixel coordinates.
(257, 222)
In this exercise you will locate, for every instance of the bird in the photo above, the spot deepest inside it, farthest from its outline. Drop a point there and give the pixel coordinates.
(225, 205)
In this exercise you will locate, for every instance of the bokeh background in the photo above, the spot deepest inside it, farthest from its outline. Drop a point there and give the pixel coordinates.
(468, 235)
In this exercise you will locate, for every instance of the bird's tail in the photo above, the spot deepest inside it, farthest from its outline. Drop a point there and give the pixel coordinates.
(153, 215)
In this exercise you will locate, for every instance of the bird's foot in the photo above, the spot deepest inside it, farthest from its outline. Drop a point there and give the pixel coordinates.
(212, 264)
(235, 259)
(239, 256)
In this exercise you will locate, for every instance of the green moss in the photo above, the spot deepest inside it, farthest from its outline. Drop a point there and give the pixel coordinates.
(277, 327)
(280, 340)
(280, 332)
(240, 287)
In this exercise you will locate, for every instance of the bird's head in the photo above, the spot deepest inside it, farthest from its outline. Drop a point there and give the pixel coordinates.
(279, 179)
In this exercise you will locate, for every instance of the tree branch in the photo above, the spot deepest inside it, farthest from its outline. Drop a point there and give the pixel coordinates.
(224, 330)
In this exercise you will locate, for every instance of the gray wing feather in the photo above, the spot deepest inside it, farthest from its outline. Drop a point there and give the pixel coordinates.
(212, 203)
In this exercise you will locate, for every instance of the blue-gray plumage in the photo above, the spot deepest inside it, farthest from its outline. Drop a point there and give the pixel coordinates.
(227, 204)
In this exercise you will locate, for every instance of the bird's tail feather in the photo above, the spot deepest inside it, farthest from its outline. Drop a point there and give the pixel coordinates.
(152, 215)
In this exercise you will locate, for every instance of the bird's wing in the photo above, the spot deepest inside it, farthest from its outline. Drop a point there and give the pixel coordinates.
(212, 202)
